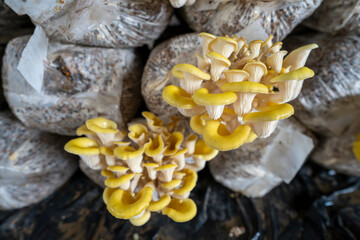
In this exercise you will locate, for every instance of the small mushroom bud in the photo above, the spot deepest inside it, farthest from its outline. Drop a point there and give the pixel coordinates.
(218, 64)
(166, 172)
(275, 60)
(151, 169)
(224, 46)
(138, 133)
(256, 70)
(207, 38)
(236, 75)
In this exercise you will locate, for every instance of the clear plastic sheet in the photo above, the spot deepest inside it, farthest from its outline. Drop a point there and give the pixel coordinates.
(317, 204)
(102, 23)
(256, 168)
(251, 19)
(329, 103)
(33, 164)
(336, 153)
(336, 15)
(79, 83)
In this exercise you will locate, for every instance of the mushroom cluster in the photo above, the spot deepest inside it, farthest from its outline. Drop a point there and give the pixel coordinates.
(238, 91)
(151, 168)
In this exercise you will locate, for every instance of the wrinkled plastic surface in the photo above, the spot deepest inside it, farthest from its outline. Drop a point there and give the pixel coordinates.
(329, 103)
(256, 168)
(33, 164)
(251, 19)
(336, 15)
(115, 23)
(317, 204)
(79, 83)
(336, 153)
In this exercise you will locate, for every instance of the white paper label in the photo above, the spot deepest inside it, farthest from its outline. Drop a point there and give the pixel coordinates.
(287, 153)
(31, 64)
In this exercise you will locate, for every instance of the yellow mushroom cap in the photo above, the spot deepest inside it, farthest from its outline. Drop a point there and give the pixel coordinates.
(82, 146)
(167, 166)
(219, 57)
(127, 152)
(251, 137)
(299, 74)
(270, 113)
(218, 137)
(236, 75)
(179, 69)
(204, 98)
(136, 130)
(101, 125)
(117, 168)
(188, 182)
(180, 210)
(197, 124)
(154, 147)
(172, 184)
(247, 87)
(178, 97)
(106, 151)
(206, 35)
(160, 204)
(175, 140)
(124, 206)
(139, 221)
(107, 194)
(203, 151)
(83, 130)
(115, 182)
(152, 165)
(225, 39)
(107, 173)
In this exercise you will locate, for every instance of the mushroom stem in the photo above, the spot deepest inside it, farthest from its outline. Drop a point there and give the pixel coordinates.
(93, 161)
(264, 129)
(135, 164)
(243, 103)
(215, 111)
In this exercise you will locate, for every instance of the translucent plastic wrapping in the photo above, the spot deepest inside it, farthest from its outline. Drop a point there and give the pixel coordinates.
(329, 103)
(251, 19)
(257, 167)
(336, 153)
(114, 23)
(336, 15)
(79, 83)
(163, 57)
(33, 164)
